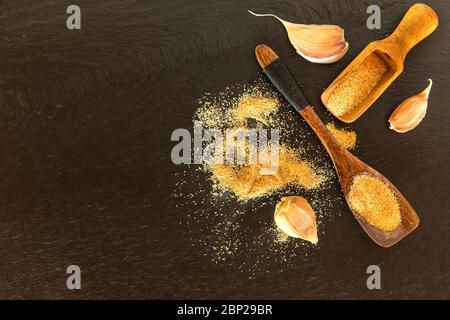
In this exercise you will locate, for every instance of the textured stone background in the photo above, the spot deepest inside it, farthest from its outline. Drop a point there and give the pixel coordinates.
(85, 170)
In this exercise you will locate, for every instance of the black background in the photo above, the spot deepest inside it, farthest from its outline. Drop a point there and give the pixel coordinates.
(86, 176)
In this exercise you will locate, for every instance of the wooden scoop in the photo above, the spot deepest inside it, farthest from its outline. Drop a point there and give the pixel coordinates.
(347, 165)
(419, 22)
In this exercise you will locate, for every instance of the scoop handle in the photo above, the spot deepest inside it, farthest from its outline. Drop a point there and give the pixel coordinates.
(417, 24)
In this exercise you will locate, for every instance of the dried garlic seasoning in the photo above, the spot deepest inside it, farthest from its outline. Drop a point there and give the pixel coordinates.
(372, 199)
(357, 85)
(245, 181)
(346, 138)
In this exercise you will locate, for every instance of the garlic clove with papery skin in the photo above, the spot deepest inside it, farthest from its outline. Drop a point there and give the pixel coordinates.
(322, 44)
(295, 217)
(410, 112)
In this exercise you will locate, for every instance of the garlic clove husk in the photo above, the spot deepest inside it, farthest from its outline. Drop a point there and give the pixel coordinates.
(322, 44)
(295, 217)
(410, 112)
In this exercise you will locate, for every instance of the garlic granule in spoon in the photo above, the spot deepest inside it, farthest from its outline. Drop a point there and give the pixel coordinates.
(322, 44)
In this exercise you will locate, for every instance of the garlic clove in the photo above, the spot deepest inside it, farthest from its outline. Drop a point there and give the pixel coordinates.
(326, 59)
(410, 112)
(295, 217)
(322, 44)
(318, 43)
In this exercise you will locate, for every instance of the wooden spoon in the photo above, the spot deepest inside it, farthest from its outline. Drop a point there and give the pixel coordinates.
(419, 22)
(347, 165)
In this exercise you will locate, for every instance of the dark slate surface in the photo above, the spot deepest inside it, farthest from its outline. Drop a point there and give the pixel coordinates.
(86, 176)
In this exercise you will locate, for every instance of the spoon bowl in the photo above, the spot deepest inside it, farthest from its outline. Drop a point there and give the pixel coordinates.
(347, 168)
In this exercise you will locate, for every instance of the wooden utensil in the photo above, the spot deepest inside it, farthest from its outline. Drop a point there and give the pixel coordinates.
(347, 165)
(419, 22)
